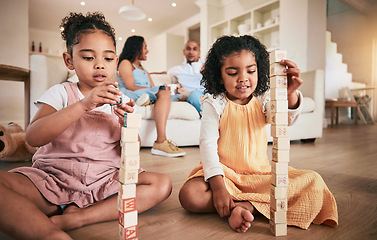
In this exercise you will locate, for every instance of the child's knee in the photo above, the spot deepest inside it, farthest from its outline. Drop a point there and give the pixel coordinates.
(188, 198)
(163, 93)
(165, 186)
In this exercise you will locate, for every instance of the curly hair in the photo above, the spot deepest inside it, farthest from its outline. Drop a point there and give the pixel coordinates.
(76, 24)
(133, 47)
(223, 48)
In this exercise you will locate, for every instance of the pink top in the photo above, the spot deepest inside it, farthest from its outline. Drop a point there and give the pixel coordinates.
(81, 165)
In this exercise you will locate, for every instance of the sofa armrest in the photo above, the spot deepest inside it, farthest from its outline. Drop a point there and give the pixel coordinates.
(314, 86)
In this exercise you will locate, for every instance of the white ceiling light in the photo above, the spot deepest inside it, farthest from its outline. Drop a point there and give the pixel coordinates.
(132, 13)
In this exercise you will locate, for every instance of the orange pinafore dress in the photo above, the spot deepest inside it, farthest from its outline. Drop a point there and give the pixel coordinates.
(242, 150)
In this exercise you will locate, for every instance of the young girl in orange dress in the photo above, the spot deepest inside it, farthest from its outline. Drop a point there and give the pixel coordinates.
(234, 176)
(77, 165)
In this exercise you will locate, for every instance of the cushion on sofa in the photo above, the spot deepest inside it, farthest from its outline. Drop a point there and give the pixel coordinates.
(178, 110)
(161, 79)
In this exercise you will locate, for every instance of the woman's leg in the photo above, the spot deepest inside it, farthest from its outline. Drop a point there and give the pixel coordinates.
(151, 189)
(161, 113)
(24, 211)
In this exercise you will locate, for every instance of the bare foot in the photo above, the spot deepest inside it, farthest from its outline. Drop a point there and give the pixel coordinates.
(70, 219)
(240, 219)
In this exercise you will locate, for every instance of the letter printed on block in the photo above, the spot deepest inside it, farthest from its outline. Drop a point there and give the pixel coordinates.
(127, 233)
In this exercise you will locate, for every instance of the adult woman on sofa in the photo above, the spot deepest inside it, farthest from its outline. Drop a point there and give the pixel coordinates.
(135, 82)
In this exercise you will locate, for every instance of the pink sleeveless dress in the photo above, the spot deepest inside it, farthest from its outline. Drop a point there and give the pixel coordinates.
(81, 165)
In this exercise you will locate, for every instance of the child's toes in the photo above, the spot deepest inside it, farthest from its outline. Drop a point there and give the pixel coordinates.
(247, 224)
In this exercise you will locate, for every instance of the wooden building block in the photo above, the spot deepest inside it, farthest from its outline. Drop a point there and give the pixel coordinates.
(279, 105)
(128, 233)
(278, 192)
(127, 191)
(278, 93)
(128, 219)
(279, 131)
(278, 82)
(127, 177)
(132, 120)
(120, 99)
(126, 205)
(130, 162)
(279, 155)
(276, 69)
(281, 143)
(279, 205)
(129, 135)
(277, 55)
(130, 148)
(278, 217)
(278, 229)
(280, 180)
(279, 118)
(279, 167)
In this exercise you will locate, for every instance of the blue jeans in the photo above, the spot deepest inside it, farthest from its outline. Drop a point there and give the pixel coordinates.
(193, 99)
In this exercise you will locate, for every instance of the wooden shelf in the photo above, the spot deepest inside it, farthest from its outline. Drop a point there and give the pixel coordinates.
(13, 73)
(268, 12)
(45, 54)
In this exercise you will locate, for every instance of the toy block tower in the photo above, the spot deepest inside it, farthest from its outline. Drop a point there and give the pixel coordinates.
(128, 176)
(281, 144)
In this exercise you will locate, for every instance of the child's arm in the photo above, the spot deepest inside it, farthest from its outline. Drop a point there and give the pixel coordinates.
(213, 173)
(294, 82)
(48, 123)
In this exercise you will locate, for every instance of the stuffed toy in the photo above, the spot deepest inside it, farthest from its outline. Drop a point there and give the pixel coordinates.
(13, 146)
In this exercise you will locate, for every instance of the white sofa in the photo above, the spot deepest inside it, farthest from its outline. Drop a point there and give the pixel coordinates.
(183, 126)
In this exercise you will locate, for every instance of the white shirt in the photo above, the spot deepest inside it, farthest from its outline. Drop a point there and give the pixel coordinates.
(187, 77)
(57, 97)
(213, 109)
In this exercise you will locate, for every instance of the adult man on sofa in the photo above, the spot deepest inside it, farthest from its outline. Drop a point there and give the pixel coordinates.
(189, 76)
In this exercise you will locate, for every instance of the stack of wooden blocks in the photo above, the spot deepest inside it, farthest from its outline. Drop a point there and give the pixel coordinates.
(281, 144)
(128, 176)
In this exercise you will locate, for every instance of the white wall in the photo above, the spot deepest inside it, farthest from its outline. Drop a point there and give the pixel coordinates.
(52, 43)
(355, 34)
(165, 49)
(156, 58)
(14, 24)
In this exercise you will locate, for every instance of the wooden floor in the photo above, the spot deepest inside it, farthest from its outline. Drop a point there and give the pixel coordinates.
(346, 157)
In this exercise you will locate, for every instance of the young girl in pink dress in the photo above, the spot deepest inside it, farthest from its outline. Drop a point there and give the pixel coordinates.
(77, 165)
(234, 176)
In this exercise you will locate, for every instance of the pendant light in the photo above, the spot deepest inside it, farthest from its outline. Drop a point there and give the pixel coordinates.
(132, 13)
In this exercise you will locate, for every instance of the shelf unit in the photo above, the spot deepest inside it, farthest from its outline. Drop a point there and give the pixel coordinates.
(45, 54)
(262, 22)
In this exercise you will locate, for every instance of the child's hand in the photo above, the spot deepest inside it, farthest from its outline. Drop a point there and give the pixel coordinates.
(100, 95)
(222, 201)
(293, 75)
(294, 82)
(123, 108)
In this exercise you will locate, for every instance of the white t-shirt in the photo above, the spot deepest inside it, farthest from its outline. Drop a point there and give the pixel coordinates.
(186, 76)
(57, 97)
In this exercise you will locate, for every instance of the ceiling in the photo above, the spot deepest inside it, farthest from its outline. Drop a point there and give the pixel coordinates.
(47, 14)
